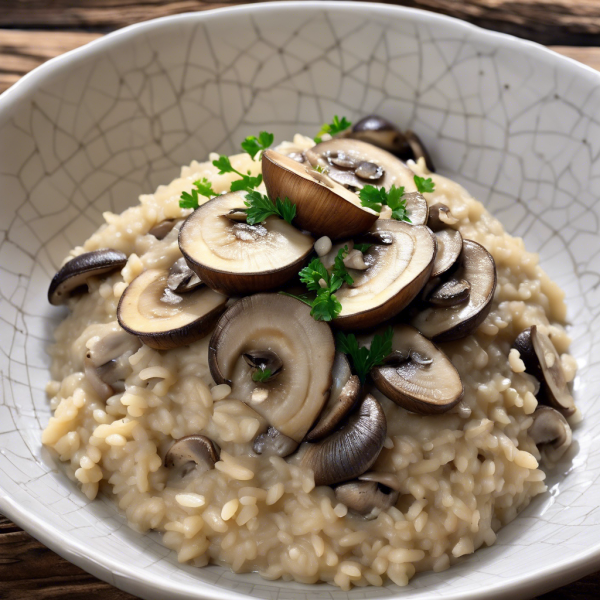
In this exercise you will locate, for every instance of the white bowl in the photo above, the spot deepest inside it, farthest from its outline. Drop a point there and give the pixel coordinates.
(87, 132)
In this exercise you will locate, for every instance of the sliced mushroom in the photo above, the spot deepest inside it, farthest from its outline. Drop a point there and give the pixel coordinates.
(192, 452)
(380, 132)
(390, 480)
(163, 319)
(418, 149)
(342, 398)
(323, 206)
(293, 399)
(75, 273)
(440, 217)
(396, 273)
(551, 433)
(543, 362)
(450, 293)
(418, 376)
(237, 258)
(367, 498)
(264, 361)
(326, 155)
(416, 207)
(440, 324)
(449, 247)
(181, 278)
(351, 450)
(274, 443)
(163, 229)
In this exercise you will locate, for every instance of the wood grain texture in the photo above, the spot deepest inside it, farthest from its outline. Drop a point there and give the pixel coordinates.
(546, 21)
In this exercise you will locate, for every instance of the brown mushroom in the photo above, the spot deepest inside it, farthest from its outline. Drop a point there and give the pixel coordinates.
(274, 443)
(418, 149)
(378, 131)
(417, 375)
(449, 247)
(75, 273)
(162, 319)
(292, 399)
(543, 362)
(192, 452)
(181, 278)
(450, 293)
(440, 217)
(367, 498)
(551, 433)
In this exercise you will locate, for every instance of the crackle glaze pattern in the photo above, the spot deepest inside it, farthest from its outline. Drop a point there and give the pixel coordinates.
(517, 125)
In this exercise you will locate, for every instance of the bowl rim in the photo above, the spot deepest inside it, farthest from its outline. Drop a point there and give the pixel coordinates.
(136, 579)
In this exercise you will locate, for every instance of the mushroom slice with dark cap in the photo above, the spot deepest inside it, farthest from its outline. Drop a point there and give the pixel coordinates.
(450, 293)
(274, 443)
(543, 362)
(161, 319)
(416, 208)
(418, 149)
(292, 399)
(342, 398)
(378, 131)
(395, 275)
(449, 247)
(236, 258)
(323, 206)
(551, 433)
(445, 324)
(76, 272)
(417, 375)
(440, 217)
(192, 452)
(162, 229)
(351, 450)
(367, 498)
(181, 278)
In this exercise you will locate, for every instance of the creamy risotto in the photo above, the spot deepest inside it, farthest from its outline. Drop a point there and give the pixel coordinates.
(251, 434)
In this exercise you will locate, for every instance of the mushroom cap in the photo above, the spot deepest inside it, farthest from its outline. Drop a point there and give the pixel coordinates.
(192, 451)
(274, 443)
(445, 324)
(161, 319)
(237, 258)
(440, 217)
(543, 362)
(416, 207)
(292, 399)
(450, 293)
(323, 206)
(380, 132)
(367, 498)
(395, 276)
(449, 247)
(418, 149)
(351, 450)
(181, 278)
(418, 375)
(75, 273)
(551, 432)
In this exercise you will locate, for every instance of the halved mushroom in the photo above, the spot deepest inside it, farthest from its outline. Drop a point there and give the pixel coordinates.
(237, 258)
(543, 362)
(367, 498)
(342, 398)
(181, 278)
(551, 433)
(441, 324)
(162, 319)
(396, 273)
(440, 217)
(450, 293)
(418, 149)
(378, 131)
(292, 399)
(323, 206)
(351, 450)
(449, 247)
(417, 375)
(75, 273)
(274, 443)
(345, 161)
(192, 452)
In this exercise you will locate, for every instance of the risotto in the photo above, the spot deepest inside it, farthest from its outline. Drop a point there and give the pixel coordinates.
(226, 415)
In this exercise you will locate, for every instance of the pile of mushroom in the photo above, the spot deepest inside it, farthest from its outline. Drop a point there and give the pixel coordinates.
(276, 357)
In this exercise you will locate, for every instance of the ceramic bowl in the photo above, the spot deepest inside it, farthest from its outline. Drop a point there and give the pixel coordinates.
(518, 125)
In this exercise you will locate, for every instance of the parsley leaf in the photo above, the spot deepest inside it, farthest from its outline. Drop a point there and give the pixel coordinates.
(247, 183)
(339, 273)
(312, 275)
(261, 208)
(424, 185)
(202, 187)
(325, 306)
(374, 198)
(362, 247)
(253, 145)
(260, 375)
(336, 126)
(397, 204)
(224, 165)
(363, 358)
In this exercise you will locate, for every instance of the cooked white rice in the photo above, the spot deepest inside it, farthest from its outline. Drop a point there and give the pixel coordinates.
(462, 475)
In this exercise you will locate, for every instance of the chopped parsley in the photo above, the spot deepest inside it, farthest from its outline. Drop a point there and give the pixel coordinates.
(261, 375)
(363, 358)
(254, 145)
(374, 198)
(247, 183)
(336, 126)
(261, 208)
(362, 247)
(202, 188)
(424, 185)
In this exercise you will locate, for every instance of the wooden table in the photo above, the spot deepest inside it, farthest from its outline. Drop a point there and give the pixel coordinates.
(32, 31)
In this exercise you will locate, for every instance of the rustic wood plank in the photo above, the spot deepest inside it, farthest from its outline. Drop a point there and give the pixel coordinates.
(573, 22)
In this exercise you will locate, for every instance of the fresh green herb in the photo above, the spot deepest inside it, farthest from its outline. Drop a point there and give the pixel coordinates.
(321, 169)
(315, 276)
(253, 145)
(202, 187)
(424, 185)
(260, 375)
(336, 126)
(363, 358)
(374, 198)
(247, 183)
(261, 208)
(362, 247)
